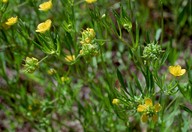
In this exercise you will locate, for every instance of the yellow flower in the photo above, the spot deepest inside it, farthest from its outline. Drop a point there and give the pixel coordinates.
(176, 70)
(11, 21)
(90, 1)
(45, 6)
(69, 58)
(44, 26)
(4, 1)
(115, 101)
(149, 110)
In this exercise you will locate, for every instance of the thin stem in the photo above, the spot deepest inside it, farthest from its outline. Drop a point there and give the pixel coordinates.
(162, 24)
(43, 59)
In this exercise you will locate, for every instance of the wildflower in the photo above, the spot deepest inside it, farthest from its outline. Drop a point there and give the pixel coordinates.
(4, 1)
(45, 6)
(115, 101)
(176, 70)
(44, 26)
(31, 64)
(51, 71)
(90, 1)
(11, 21)
(69, 58)
(149, 110)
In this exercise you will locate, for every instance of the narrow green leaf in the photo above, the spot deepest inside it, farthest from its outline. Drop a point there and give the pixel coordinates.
(186, 109)
(120, 78)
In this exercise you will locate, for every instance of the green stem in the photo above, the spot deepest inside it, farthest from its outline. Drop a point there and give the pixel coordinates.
(162, 24)
(43, 59)
(79, 2)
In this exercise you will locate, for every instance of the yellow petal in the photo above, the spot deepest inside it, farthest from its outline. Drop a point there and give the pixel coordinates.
(157, 107)
(182, 72)
(70, 58)
(144, 118)
(141, 108)
(90, 1)
(155, 118)
(148, 102)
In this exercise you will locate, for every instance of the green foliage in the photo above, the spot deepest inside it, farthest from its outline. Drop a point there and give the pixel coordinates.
(66, 78)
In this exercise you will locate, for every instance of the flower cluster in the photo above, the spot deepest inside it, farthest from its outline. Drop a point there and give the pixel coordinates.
(152, 51)
(89, 46)
(31, 64)
(148, 110)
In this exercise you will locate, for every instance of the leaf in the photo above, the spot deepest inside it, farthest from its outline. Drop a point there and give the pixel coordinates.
(186, 109)
(120, 78)
(158, 34)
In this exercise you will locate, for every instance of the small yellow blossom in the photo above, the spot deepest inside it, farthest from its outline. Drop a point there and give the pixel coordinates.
(51, 71)
(44, 26)
(90, 1)
(115, 101)
(149, 110)
(176, 70)
(65, 79)
(4, 1)
(69, 58)
(45, 6)
(11, 21)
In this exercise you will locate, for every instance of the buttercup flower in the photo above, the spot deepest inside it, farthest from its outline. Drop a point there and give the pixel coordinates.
(69, 58)
(45, 6)
(115, 101)
(90, 1)
(148, 110)
(44, 26)
(4, 1)
(176, 70)
(11, 21)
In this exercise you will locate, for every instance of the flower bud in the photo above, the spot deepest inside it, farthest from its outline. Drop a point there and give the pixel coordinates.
(31, 64)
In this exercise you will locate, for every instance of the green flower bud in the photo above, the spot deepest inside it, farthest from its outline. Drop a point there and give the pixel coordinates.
(88, 36)
(31, 64)
(89, 49)
(152, 51)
